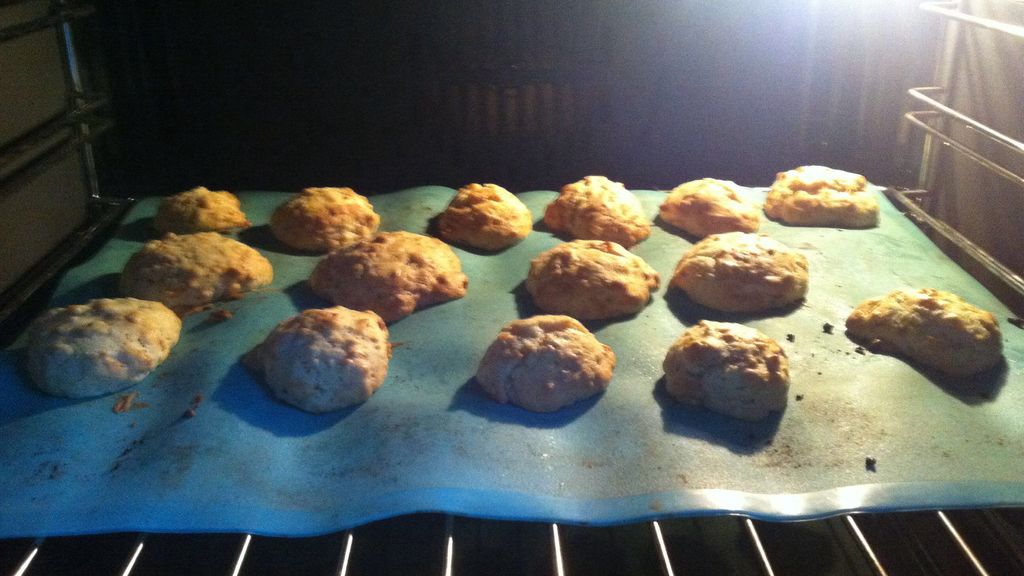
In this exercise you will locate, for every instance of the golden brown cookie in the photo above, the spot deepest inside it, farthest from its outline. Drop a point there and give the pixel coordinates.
(485, 216)
(194, 269)
(392, 274)
(935, 328)
(710, 206)
(590, 279)
(99, 347)
(324, 359)
(200, 210)
(596, 208)
(728, 368)
(820, 196)
(324, 219)
(544, 363)
(740, 272)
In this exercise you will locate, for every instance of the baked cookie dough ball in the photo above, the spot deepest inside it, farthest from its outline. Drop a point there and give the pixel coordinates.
(590, 280)
(544, 363)
(200, 210)
(935, 328)
(191, 270)
(740, 272)
(596, 208)
(392, 274)
(324, 359)
(485, 216)
(324, 219)
(728, 368)
(710, 206)
(820, 196)
(99, 347)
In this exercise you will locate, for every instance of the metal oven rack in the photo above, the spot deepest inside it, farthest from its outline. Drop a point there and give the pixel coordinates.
(978, 542)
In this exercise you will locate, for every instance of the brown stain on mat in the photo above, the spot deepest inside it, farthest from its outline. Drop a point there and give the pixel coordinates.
(862, 432)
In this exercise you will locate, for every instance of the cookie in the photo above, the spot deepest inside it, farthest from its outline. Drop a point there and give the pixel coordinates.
(820, 196)
(485, 216)
(741, 272)
(728, 368)
(590, 279)
(200, 210)
(392, 274)
(191, 270)
(544, 363)
(596, 208)
(99, 347)
(710, 206)
(934, 328)
(323, 359)
(324, 219)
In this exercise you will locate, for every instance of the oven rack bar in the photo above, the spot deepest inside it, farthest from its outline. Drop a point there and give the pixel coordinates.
(951, 9)
(951, 553)
(58, 16)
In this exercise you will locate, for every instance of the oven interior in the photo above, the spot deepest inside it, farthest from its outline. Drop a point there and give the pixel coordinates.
(118, 100)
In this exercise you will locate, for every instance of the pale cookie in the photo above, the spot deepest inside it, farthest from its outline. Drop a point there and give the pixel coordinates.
(935, 328)
(200, 210)
(324, 219)
(544, 363)
(820, 196)
(728, 368)
(710, 206)
(596, 208)
(485, 216)
(740, 272)
(190, 270)
(392, 274)
(590, 279)
(99, 347)
(324, 359)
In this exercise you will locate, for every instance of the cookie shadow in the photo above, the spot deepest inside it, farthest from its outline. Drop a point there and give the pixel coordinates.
(243, 394)
(303, 297)
(699, 423)
(138, 230)
(261, 237)
(472, 399)
(102, 286)
(973, 390)
(690, 312)
(524, 301)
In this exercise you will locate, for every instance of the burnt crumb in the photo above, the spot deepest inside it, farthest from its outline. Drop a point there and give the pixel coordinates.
(790, 337)
(827, 328)
(819, 373)
(799, 397)
(1018, 322)
(870, 464)
(219, 315)
(124, 402)
(860, 350)
(193, 406)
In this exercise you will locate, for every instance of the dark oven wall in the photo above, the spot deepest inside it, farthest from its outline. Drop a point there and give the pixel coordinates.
(529, 94)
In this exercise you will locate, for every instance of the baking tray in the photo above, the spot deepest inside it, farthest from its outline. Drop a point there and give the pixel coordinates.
(429, 440)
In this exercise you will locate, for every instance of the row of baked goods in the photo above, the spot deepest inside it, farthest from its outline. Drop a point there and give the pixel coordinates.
(488, 217)
(325, 359)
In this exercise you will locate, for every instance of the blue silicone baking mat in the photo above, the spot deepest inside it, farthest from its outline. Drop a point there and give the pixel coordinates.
(430, 441)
